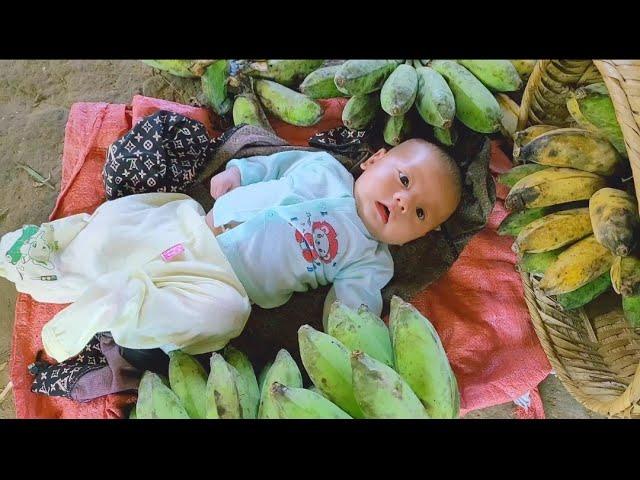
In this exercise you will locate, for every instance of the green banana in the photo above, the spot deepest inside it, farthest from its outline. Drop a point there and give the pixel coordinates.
(222, 397)
(399, 90)
(285, 72)
(591, 107)
(156, 400)
(288, 105)
(434, 100)
(583, 295)
(476, 106)
(381, 392)
(359, 77)
(516, 174)
(320, 83)
(360, 111)
(188, 380)
(499, 75)
(214, 86)
(537, 263)
(446, 136)
(396, 129)
(263, 375)
(361, 330)
(421, 360)
(283, 370)
(300, 404)
(247, 109)
(516, 221)
(326, 360)
(247, 384)
(631, 309)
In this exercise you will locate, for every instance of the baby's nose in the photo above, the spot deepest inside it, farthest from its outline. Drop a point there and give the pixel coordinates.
(403, 201)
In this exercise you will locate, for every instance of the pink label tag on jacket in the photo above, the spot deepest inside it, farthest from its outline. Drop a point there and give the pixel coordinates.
(172, 252)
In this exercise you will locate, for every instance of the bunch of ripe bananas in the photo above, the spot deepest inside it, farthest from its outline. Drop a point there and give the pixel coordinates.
(571, 228)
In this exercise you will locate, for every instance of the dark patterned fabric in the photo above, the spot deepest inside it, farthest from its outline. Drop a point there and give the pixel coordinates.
(59, 380)
(344, 141)
(163, 152)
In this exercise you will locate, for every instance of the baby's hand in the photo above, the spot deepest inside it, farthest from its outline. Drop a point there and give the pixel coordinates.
(225, 182)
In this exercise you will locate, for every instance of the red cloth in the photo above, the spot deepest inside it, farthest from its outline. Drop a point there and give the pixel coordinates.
(477, 307)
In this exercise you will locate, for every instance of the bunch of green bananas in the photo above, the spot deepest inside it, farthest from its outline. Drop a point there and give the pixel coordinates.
(572, 230)
(359, 369)
(371, 371)
(245, 89)
(439, 90)
(229, 390)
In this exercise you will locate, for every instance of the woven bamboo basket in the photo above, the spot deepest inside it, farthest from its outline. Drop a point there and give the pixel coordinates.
(594, 351)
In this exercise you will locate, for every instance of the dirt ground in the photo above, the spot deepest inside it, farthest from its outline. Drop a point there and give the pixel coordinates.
(35, 97)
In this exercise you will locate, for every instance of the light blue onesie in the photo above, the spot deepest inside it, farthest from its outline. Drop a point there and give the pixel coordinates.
(299, 229)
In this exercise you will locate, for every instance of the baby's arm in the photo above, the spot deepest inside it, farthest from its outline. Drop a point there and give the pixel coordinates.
(270, 167)
(359, 284)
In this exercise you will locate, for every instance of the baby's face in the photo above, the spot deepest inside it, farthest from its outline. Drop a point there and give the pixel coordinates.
(404, 193)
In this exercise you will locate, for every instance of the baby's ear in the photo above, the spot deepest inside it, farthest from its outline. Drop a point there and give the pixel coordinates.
(373, 158)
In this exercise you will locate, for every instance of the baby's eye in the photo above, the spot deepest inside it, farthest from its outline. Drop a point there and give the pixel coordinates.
(420, 213)
(404, 179)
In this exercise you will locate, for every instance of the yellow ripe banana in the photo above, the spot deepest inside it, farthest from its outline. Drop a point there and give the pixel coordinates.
(625, 275)
(552, 186)
(553, 231)
(572, 148)
(576, 266)
(521, 138)
(524, 68)
(614, 216)
(510, 112)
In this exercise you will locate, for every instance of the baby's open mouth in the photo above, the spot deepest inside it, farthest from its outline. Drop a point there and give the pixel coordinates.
(383, 211)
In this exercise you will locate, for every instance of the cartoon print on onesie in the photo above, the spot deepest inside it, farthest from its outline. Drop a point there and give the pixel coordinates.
(31, 253)
(318, 241)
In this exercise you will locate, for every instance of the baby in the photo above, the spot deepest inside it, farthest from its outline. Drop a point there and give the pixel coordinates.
(301, 221)
(148, 269)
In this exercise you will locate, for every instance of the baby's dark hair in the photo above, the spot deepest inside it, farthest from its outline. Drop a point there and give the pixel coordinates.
(449, 163)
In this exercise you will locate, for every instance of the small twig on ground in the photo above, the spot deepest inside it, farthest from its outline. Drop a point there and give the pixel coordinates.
(3, 365)
(3, 214)
(6, 391)
(40, 180)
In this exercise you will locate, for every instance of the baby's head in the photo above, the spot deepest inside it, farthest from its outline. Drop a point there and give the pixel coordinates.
(404, 193)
